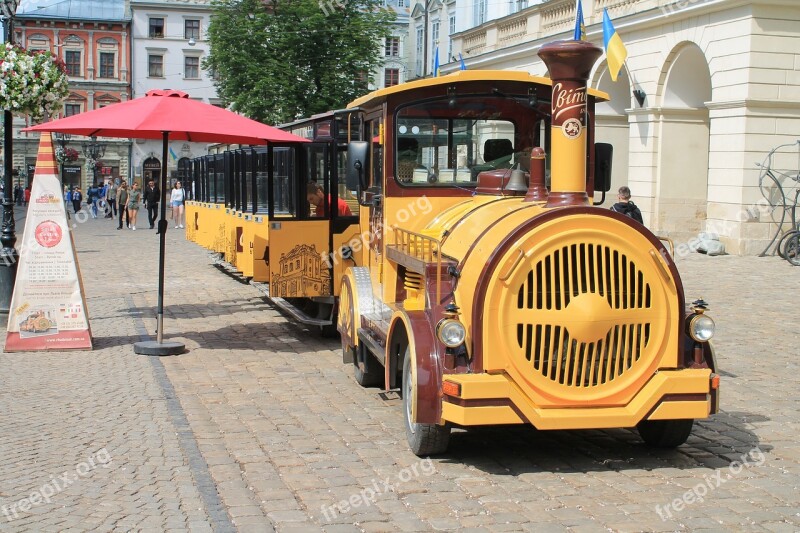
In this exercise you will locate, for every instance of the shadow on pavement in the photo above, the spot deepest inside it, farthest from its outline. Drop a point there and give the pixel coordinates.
(512, 450)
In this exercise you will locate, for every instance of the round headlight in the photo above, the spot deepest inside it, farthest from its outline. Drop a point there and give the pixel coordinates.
(701, 328)
(451, 332)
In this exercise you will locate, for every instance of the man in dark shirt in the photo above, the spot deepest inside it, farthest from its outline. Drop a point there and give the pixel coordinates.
(626, 206)
(152, 195)
(316, 197)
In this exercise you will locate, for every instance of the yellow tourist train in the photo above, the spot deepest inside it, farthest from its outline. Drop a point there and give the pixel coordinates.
(445, 227)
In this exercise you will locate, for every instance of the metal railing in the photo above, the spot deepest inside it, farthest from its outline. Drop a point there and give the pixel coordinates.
(422, 248)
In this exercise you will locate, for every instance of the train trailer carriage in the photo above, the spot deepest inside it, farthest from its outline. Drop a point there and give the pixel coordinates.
(471, 270)
(489, 299)
(252, 208)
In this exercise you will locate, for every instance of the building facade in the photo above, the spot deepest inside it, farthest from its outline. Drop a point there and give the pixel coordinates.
(434, 26)
(394, 49)
(93, 39)
(169, 43)
(709, 88)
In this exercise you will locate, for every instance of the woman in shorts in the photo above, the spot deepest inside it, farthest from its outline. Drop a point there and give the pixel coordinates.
(134, 197)
(176, 200)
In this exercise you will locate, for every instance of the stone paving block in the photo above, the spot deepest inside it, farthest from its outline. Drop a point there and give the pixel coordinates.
(261, 440)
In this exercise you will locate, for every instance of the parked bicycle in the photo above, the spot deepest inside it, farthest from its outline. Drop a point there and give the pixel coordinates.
(774, 185)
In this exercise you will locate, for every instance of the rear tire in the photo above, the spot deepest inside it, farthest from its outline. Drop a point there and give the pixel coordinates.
(665, 433)
(423, 439)
(367, 370)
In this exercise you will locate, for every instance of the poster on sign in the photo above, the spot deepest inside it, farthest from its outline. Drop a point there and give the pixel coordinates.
(48, 307)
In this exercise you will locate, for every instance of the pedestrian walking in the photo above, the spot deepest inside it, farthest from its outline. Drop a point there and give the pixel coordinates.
(18, 195)
(152, 195)
(111, 200)
(122, 202)
(177, 199)
(91, 196)
(101, 197)
(134, 198)
(77, 198)
(26, 195)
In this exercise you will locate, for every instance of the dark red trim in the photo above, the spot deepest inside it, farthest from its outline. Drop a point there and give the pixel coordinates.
(429, 366)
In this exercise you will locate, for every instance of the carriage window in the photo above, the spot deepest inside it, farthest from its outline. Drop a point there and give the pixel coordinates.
(262, 186)
(284, 190)
(441, 144)
(350, 197)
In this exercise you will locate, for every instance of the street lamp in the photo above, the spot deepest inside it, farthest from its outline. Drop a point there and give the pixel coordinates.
(94, 151)
(62, 139)
(8, 238)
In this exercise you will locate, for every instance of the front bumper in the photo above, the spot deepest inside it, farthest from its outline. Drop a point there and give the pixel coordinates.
(487, 399)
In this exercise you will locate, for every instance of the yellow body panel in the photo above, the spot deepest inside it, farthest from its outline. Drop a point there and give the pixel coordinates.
(296, 252)
(244, 252)
(681, 409)
(216, 217)
(190, 214)
(571, 171)
(234, 230)
(260, 242)
(502, 387)
(203, 223)
(349, 237)
(479, 416)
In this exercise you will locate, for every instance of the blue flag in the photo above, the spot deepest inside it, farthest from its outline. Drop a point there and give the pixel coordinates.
(436, 62)
(580, 27)
(463, 65)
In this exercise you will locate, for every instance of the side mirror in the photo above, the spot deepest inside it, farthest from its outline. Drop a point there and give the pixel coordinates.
(603, 154)
(357, 154)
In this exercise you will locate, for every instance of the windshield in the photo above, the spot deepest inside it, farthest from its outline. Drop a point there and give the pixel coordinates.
(449, 141)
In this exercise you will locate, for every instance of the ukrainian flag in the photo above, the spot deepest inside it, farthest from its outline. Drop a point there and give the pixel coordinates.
(580, 26)
(616, 53)
(173, 154)
(436, 62)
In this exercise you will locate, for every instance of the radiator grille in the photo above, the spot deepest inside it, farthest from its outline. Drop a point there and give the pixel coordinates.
(588, 276)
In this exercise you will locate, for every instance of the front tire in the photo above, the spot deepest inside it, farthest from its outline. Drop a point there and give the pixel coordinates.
(665, 433)
(792, 249)
(423, 439)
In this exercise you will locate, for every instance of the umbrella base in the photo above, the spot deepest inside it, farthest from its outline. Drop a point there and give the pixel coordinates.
(159, 348)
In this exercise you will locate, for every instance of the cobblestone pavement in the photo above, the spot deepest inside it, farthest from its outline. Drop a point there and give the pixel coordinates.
(259, 427)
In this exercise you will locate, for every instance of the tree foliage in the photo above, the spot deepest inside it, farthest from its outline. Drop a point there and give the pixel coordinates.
(279, 60)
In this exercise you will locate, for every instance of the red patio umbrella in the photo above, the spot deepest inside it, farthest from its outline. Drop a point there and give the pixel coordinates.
(167, 115)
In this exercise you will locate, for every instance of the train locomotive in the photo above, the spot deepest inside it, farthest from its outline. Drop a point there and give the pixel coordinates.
(474, 274)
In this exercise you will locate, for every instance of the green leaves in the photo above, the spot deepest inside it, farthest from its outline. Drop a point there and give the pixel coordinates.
(285, 59)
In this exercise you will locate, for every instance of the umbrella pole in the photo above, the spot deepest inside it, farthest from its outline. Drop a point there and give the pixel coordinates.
(159, 347)
(162, 240)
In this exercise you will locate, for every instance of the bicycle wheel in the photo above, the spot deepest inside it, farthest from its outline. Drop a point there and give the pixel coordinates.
(784, 242)
(792, 249)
